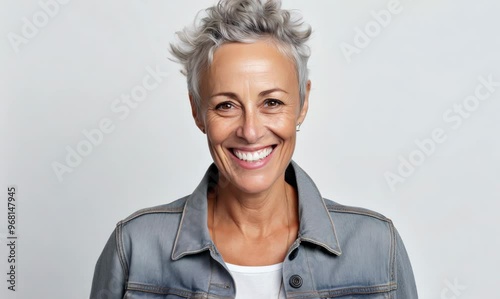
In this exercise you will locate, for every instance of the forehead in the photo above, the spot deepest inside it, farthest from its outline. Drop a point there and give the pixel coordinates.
(260, 64)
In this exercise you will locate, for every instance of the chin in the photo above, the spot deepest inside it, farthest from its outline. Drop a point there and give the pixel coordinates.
(253, 186)
(255, 182)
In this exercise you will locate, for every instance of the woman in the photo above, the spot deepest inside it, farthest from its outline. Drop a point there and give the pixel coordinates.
(256, 226)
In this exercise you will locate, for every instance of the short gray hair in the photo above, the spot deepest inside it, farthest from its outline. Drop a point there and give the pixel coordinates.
(243, 21)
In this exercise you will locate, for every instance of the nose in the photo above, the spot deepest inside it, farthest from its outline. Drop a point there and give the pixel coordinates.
(252, 127)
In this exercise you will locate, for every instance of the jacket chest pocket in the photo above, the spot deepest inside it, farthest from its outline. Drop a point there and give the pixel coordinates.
(143, 291)
(359, 293)
(146, 295)
(365, 296)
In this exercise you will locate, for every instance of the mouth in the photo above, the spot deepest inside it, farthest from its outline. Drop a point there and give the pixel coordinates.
(253, 156)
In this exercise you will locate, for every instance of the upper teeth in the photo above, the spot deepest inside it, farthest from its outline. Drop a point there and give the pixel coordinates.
(253, 156)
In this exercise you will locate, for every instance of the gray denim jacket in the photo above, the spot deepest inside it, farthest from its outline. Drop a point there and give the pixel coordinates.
(340, 252)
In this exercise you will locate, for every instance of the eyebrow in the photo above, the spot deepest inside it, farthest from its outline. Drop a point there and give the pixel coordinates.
(261, 94)
(266, 92)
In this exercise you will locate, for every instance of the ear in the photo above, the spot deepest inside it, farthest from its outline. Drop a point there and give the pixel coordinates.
(196, 114)
(305, 106)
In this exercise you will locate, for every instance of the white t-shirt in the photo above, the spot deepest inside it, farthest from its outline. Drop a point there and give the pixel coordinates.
(263, 282)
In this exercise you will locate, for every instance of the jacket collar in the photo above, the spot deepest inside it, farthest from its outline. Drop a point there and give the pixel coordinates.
(316, 225)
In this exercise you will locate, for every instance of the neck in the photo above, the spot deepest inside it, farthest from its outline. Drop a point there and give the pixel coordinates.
(255, 215)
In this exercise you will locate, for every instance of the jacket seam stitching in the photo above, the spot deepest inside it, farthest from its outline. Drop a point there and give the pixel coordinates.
(358, 212)
(393, 253)
(310, 270)
(211, 276)
(152, 211)
(121, 251)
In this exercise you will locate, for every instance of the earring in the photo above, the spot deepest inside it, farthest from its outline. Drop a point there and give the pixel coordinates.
(298, 127)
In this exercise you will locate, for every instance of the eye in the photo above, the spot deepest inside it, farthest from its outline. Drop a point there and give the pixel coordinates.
(224, 106)
(273, 103)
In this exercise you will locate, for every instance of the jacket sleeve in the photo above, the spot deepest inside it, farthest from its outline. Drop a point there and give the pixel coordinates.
(406, 288)
(109, 274)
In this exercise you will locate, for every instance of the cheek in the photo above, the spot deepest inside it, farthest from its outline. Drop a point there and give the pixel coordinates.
(215, 142)
(283, 126)
(218, 130)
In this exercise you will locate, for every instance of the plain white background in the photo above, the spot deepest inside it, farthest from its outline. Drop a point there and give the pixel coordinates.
(367, 110)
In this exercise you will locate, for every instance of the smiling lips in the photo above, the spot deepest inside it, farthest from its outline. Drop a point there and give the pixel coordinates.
(253, 156)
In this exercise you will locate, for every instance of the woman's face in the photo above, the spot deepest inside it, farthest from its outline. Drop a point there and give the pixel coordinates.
(250, 109)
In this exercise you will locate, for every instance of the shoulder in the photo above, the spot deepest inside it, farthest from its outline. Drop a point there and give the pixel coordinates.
(147, 232)
(370, 238)
(157, 224)
(360, 227)
(366, 238)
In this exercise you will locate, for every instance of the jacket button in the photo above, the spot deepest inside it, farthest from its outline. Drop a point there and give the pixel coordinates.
(293, 254)
(295, 281)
